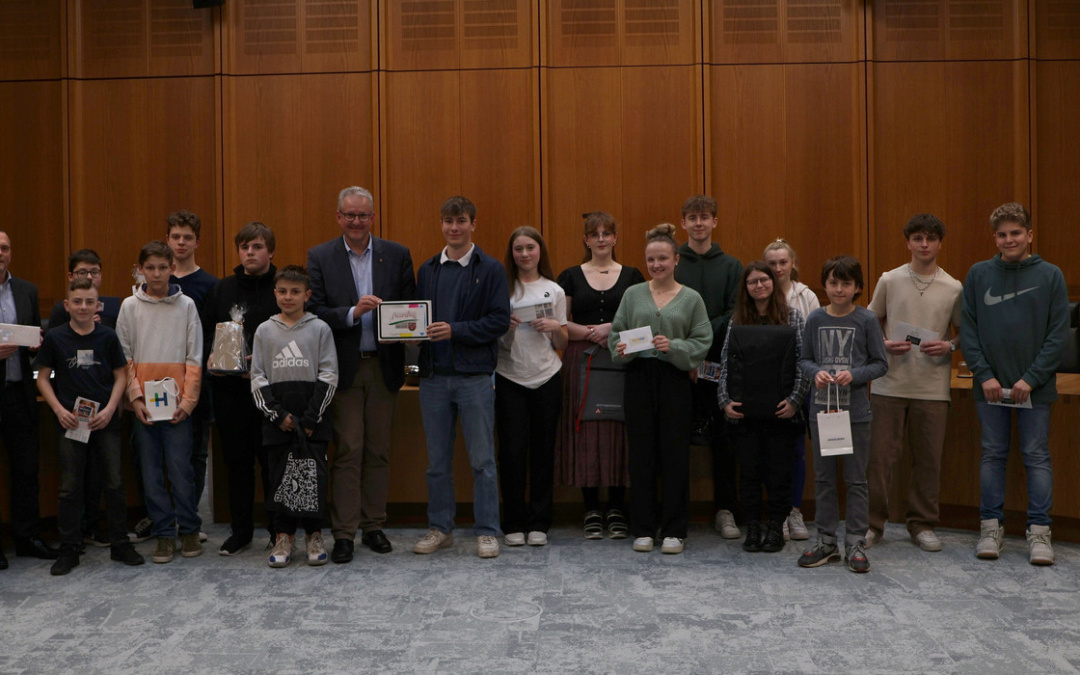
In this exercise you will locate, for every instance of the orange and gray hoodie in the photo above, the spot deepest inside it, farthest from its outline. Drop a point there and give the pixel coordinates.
(162, 337)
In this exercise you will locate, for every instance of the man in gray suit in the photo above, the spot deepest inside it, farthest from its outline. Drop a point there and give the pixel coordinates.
(19, 412)
(350, 276)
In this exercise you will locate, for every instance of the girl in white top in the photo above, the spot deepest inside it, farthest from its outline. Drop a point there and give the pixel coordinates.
(528, 389)
(781, 258)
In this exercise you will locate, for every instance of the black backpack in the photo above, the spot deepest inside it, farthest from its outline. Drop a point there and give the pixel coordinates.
(760, 368)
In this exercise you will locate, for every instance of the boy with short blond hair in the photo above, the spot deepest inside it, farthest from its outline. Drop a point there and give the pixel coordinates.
(161, 336)
(89, 363)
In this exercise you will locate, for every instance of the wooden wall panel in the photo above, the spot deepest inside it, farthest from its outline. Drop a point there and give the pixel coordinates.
(1057, 29)
(295, 36)
(471, 133)
(137, 38)
(1057, 144)
(31, 40)
(291, 143)
(788, 159)
(921, 30)
(446, 35)
(32, 183)
(141, 149)
(783, 31)
(987, 152)
(583, 168)
(621, 32)
(909, 171)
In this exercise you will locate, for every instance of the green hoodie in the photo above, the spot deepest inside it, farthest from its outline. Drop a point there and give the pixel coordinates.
(1015, 324)
(715, 276)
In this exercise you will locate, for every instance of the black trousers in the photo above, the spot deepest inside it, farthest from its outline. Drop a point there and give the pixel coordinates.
(19, 428)
(659, 412)
(527, 421)
(725, 467)
(101, 454)
(239, 425)
(764, 449)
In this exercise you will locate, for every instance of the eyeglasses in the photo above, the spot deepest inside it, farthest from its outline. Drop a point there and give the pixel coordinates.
(82, 274)
(758, 282)
(351, 216)
(602, 235)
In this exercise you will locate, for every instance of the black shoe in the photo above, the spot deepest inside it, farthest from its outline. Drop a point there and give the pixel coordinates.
(701, 434)
(3, 560)
(124, 552)
(234, 544)
(35, 548)
(342, 552)
(67, 560)
(752, 544)
(96, 538)
(375, 540)
(774, 538)
(142, 531)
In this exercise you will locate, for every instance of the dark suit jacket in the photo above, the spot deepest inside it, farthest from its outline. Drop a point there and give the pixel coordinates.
(333, 296)
(27, 314)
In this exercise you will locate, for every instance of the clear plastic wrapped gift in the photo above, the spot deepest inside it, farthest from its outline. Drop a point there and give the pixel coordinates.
(229, 353)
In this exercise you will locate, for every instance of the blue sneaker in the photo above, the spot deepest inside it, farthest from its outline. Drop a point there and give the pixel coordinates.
(282, 553)
(316, 552)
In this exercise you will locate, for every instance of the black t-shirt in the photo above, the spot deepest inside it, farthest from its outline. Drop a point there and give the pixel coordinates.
(589, 306)
(83, 365)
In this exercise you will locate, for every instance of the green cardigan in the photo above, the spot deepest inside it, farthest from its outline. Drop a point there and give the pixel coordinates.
(683, 321)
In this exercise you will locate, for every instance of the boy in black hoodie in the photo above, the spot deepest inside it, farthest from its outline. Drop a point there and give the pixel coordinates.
(1014, 328)
(704, 267)
(251, 291)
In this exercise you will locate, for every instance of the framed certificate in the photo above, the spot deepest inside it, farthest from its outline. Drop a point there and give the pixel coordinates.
(404, 320)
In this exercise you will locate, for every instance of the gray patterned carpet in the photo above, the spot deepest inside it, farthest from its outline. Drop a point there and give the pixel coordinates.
(574, 606)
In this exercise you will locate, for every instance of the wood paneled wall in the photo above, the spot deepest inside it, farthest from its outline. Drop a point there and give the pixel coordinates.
(826, 122)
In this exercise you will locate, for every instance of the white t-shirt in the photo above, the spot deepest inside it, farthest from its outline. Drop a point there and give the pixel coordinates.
(526, 356)
(916, 375)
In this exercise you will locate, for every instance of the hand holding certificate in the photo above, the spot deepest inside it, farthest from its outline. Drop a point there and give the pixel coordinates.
(404, 320)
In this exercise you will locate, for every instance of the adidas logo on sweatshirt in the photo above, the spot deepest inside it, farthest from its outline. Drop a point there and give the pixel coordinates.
(290, 356)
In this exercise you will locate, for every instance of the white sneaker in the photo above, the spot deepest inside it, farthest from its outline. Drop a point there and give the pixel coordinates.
(725, 525)
(991, 534)
(433, 541)
(871, 538)
(928, 540)
(643, 544)
(794, 526)
(537, 538)
(282, 552)
(672, 545)
(515, 539)
(1040, 551)
(487, 546)
(316, 552)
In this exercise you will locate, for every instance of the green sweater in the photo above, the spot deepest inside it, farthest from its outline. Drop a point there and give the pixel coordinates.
(715, 275)
(683, 321)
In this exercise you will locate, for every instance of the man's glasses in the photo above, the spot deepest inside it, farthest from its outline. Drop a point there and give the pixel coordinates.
(82, 274)
(351, 216)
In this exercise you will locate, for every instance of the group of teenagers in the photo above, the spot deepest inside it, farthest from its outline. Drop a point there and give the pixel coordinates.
(743, 359)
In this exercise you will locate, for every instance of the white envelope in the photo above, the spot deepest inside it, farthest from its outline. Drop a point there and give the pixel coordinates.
(1007, 401)
(24, 336)
(637, 339)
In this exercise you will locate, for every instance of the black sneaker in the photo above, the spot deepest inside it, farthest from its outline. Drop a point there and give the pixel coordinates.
(856, 559)
(821, 554)
(68, 560)
(141, 532)
(774, 538)
(752, 543)
(124, 552)
(233, 545)
(97, 538)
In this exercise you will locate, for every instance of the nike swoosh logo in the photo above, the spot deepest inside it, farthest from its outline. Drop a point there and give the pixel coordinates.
(991, 300)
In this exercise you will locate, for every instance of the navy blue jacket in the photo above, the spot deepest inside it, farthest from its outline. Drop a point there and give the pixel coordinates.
(483, 314)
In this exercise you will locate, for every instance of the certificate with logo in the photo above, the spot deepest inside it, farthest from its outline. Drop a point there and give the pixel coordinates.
(404, 320)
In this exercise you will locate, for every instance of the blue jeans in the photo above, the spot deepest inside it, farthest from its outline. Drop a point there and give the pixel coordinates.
(442, 399)
(1034, 428)
(165, 447)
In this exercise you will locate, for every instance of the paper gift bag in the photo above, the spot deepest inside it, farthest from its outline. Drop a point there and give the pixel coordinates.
(834, 428)
(161, 397)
